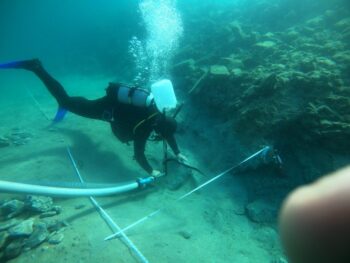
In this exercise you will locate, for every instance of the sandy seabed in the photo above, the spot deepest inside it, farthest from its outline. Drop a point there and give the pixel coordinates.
(208, 226)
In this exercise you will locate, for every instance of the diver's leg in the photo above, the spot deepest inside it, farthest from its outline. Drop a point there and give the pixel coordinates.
(99, 109)
(52, 85)
(95, 109)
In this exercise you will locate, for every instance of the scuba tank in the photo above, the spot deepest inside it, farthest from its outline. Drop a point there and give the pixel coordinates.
(130, 95)
(162, 95)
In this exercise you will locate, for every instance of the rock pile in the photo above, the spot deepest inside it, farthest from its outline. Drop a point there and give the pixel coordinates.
(25, 224)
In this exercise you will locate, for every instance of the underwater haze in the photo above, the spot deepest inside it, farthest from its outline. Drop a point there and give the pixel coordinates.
(264, 90)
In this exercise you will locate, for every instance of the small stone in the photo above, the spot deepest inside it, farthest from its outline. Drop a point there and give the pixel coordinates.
(54, 224)
(314, 22)
(38, 236)
(266, 44)
(6, 225)
(237, 72)
(219, 70)
(292, 34)
(39, 204)
(326, 62)
(14, 249)
(269, 35)
(79, 206)
(185, 234)
(260, 211)
(55, 238)
(25, 228)
(343, 23)
(12, 208)
(48, 214)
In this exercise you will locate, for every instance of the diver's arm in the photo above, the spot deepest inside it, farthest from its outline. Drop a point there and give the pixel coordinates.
(173, 144)
(139, 151)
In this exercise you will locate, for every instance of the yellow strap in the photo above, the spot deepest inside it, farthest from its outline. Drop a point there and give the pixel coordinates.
(143, 121)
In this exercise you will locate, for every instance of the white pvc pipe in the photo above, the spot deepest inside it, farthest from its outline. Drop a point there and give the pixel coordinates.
(105, 216)
(12, 187)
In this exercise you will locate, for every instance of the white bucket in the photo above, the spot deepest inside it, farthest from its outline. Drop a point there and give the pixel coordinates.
(164, 95)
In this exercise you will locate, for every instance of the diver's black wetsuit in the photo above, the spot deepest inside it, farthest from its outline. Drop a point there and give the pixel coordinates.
(128, 122)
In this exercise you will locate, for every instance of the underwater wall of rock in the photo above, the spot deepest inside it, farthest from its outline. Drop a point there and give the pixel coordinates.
(287, 85)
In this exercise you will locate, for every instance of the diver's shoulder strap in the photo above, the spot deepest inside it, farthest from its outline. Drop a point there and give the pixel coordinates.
(144, 120)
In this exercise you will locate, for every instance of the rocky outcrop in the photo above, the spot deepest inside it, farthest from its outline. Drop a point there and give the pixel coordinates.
(277, 86)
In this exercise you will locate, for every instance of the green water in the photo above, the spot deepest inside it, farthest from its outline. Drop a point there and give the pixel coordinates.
(250, 73)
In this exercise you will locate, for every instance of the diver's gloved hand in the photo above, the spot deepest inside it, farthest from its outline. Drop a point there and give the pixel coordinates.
(156, 174)
(181, 158)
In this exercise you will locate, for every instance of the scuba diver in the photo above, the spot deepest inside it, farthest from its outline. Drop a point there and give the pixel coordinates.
(132, 112)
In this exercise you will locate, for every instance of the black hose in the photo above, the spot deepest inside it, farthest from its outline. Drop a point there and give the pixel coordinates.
(183, 164)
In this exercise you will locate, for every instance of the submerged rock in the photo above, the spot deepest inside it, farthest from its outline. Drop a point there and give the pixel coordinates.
(342, 57)
(25, 228)
(219, 70)
(48, 214)
(266, 44)
(343, 23)
(38, 236)
(80, 206)
(39, 204)
(55, 238)
(12, 208)
(315, 22)
(237, 72)
(7, 224)
(185, 234)
(14, 249)
(54, 224)
(260, 211)
(326, 62)
(291, 34)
